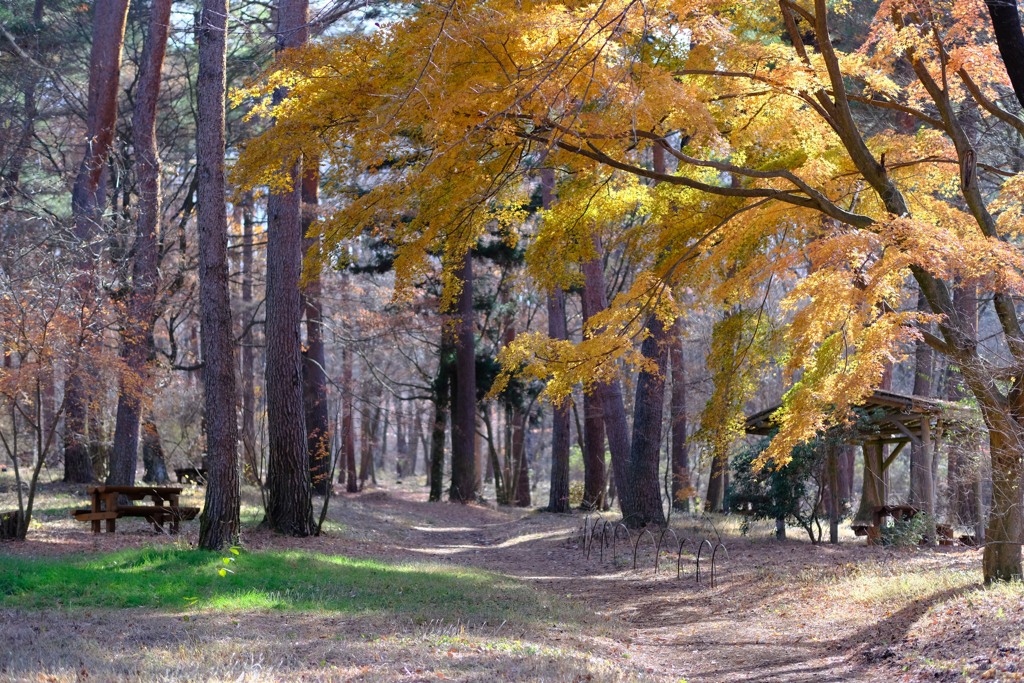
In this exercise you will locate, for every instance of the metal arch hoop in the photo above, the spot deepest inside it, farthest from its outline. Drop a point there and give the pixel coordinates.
(679, 559)
(636, 546)
(713, 554)
(615, 536)
(604, 536)
(700, 549)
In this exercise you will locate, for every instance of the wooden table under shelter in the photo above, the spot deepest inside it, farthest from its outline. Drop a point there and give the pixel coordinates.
(164, 507)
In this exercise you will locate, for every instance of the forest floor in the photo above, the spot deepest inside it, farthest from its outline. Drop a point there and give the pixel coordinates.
(507, 594)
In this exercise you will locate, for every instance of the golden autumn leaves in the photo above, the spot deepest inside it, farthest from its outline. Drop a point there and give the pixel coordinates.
(432, 130)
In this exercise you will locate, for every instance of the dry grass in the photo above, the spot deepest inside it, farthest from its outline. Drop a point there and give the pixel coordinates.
(779, 611)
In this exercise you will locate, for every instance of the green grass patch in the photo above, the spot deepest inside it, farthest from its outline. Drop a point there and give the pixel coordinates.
(175, 578)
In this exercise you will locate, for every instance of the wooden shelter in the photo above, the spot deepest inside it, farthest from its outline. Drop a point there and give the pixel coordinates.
(895, 420)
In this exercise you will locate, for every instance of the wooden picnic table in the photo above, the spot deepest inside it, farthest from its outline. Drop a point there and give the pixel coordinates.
(105, 506)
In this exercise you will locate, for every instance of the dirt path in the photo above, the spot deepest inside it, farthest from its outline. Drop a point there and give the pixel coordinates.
(784, 611)
(759, 623)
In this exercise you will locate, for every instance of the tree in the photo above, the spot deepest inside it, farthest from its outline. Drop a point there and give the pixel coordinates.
(463, 419)
(778, 164)
(138, 345)
(289, 504)
(219, 523)
(109, 19)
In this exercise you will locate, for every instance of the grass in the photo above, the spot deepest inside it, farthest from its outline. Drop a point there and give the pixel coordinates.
(169, 578)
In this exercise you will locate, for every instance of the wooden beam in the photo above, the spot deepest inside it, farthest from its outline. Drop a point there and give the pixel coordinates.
(892, 456)
(914, 438)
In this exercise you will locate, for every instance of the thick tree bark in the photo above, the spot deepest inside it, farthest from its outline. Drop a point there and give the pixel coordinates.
(645, 453)
(681, 487)
(218, 525)
(109, 19)
(314, 360)
(464, 478)
(594, 465)
(289, 500)
(137, 341)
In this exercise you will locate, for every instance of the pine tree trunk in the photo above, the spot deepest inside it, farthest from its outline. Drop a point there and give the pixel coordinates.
(558, 497)
(594, 464)
(442, 391)
(413, 438)
(109, 20)
(522, 468)
(137, 342)
(348, 427)
(314, 360)
(464, 478)
(218, 525)
(645, 453)
(680, 454)
(289, 501)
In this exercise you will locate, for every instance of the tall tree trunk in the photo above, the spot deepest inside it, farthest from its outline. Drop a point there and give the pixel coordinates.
(413, 439)
(681, 487)
(348, 433)
(314, 360)
(289, 500)
(218, 525)
(137, 341)
(109, 19)
(522, 468)
(463, 484)
(251, 465)
(610, 396)
(442, 391)
(401, 439)
(645, 453)
(558, 497)
(594, 465)
(964, 470)
(922, 490)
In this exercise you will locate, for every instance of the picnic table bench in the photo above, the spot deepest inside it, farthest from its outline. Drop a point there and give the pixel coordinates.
(106, 508)
(874, 530)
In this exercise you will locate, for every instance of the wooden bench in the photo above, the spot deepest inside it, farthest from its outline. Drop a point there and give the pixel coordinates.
(107, 508)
